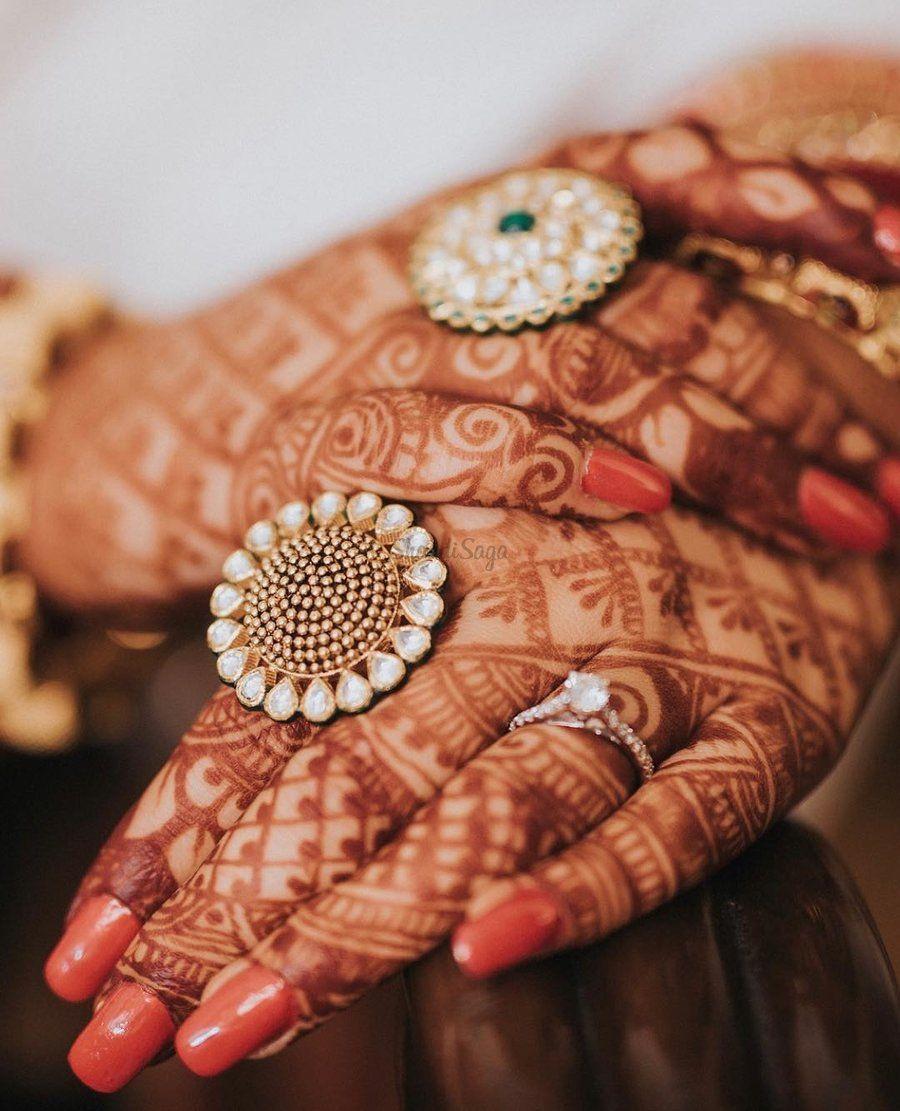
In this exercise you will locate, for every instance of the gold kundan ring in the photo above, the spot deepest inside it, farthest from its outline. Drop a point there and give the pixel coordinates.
(524, 248)
(325, 606)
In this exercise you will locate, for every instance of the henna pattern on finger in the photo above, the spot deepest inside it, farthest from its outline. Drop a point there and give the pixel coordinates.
(425, 447)
(222, 763)
(172, 409)
(700, 620)
(687, 323)
(688, 176)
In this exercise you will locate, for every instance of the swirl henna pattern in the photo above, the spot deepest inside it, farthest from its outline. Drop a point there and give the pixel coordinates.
(174, 408)
(743, 670)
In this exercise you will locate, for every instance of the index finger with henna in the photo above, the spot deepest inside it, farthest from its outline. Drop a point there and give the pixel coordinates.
(220, 765)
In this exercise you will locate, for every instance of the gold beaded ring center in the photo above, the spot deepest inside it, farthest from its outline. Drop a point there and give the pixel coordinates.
(325, 606)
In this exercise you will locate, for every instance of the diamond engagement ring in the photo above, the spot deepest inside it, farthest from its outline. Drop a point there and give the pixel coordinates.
(325, 606)
(582, 702)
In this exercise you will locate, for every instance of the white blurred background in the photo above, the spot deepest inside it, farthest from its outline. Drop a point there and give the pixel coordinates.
(170, 150)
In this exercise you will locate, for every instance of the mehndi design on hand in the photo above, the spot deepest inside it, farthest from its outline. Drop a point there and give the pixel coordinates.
(345, 321)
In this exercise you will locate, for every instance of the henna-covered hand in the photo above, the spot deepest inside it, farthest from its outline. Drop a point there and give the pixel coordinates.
(742, 669)
(156, 421)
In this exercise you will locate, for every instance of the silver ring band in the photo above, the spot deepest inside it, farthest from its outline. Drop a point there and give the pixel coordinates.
(582, 702)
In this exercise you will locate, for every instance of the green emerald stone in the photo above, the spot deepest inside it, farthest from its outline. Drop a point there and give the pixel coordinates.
(519, 220)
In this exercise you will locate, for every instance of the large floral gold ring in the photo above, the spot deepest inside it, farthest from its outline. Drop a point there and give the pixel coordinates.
(326, 606)
(526, 247)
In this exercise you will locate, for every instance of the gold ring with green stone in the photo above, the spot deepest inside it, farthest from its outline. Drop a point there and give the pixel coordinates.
(527, 247)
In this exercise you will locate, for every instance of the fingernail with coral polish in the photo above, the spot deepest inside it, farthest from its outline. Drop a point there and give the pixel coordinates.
(126, 1034)
(515, 931)
(246, 1012)
(887, 482)
(97, 936)
(625, 481)
(886, 231)
(843, 515)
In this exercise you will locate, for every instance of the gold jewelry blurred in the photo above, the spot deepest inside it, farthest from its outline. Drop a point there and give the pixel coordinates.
(865, 316)
(36, 318)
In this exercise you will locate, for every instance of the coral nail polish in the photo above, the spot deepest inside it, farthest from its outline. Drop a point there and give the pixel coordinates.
(887, 482)
(246, 1012)
(886, 231)
(93, 941)
(126, 1033)
(626, 482)
(843, 515)
(514, 931)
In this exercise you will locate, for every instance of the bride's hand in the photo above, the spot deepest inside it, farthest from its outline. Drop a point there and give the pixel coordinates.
(298, 868)
(151, 423)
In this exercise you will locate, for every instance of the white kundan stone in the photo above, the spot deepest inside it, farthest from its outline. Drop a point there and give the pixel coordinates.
(594, 239)
(239, 566)
(563, 198)
(251, 688)
(231, 663)
(494, 288)
(293, 518)
(424, 608)
(427, 574)
(584, 266)
(392, 520)
(261, 537)
(465, 288)
(354, 692)
(413, 544)
(328, 507)
(318, 702)
(553, 277)
(282, 701)
(385, 670)
(411, 642)
(588, 694)
(221, 634)
(226, 598)
(524, 292)
(362, 507)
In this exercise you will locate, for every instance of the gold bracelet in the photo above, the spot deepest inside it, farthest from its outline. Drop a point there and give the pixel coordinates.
(866, 317)
(36, 317)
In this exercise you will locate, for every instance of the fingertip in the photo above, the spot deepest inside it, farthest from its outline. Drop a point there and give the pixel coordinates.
(98, 934)
(886, 231)
(518, 929)
(622, 480)
(842, 514)
(125, 1034)
(249, 1010)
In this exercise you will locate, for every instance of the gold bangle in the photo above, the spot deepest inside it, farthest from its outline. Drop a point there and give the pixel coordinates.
(864, 316)
(35, 317)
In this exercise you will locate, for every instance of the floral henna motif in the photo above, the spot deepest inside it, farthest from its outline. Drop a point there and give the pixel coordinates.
(181, 403)
(702, 630)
